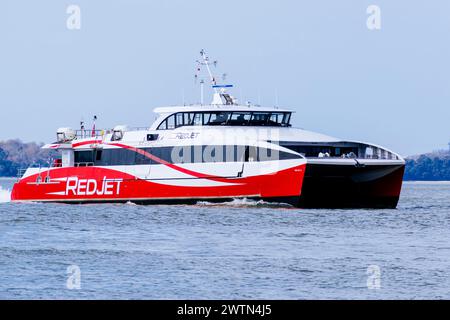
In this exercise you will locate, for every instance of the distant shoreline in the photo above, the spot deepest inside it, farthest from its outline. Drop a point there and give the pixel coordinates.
(428, 167)
(15, 154)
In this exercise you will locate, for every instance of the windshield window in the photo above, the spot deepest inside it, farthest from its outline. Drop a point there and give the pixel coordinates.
(239, 118)
(259, 118)
(228, 118)
(216, 118)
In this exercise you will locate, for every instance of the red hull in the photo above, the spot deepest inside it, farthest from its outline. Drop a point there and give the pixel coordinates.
(94, 184)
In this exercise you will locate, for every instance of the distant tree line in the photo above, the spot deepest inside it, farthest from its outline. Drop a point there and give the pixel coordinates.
(15, 154)
(430, 168)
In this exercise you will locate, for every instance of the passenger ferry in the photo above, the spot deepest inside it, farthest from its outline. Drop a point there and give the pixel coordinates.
(215, 152)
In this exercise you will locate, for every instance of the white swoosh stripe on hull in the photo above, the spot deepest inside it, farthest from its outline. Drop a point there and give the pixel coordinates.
(195, 182)
(60, 193)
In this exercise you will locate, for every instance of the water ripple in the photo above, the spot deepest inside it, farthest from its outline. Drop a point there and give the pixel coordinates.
(235, 250)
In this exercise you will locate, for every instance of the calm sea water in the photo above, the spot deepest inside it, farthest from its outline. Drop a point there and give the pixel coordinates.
(242, 249)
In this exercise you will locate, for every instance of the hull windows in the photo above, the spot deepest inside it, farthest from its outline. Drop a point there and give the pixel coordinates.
(183, 154)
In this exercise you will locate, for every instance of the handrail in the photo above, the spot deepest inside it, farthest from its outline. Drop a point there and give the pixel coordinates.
(139, 129)
(84, 164)
(374, 157)
(86, 133)
(20, 173)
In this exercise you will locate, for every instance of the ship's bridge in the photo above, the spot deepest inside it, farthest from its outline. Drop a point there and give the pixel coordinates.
(220, 115)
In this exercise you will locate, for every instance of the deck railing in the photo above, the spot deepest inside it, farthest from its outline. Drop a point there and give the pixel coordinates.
(20, 173)
(84, 164)
(86, 133)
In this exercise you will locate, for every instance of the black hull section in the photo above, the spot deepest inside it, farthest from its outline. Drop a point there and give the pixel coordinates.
(350, 186)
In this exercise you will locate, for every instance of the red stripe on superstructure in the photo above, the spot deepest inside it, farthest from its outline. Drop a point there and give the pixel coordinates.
(78, 144)
(171, 165)
(161, 161)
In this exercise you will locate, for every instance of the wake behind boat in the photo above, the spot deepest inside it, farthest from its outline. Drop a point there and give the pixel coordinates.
(217, 152)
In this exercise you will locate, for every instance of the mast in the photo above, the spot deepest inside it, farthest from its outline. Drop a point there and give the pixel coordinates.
(220, 96)
(207, 63)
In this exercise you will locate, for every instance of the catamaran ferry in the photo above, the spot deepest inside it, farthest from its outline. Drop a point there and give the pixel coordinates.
(215, 152)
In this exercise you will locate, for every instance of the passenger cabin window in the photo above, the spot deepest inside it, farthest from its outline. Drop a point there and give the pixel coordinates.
(98, 155)
(198, 119)
(318, 151)
(163, 125)
(179, 118)
(239, 119)
(226, 118)
(84, 157)
(188, 154)
(259, 119)
(216, 118)
(171, 122)
(188, 117)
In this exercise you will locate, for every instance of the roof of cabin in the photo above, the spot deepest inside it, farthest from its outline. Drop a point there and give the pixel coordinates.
(206, 108)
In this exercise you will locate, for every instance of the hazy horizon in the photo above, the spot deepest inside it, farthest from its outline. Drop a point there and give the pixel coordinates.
(389, 86)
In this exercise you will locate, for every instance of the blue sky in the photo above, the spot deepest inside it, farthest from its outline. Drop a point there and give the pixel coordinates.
(388, 86)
